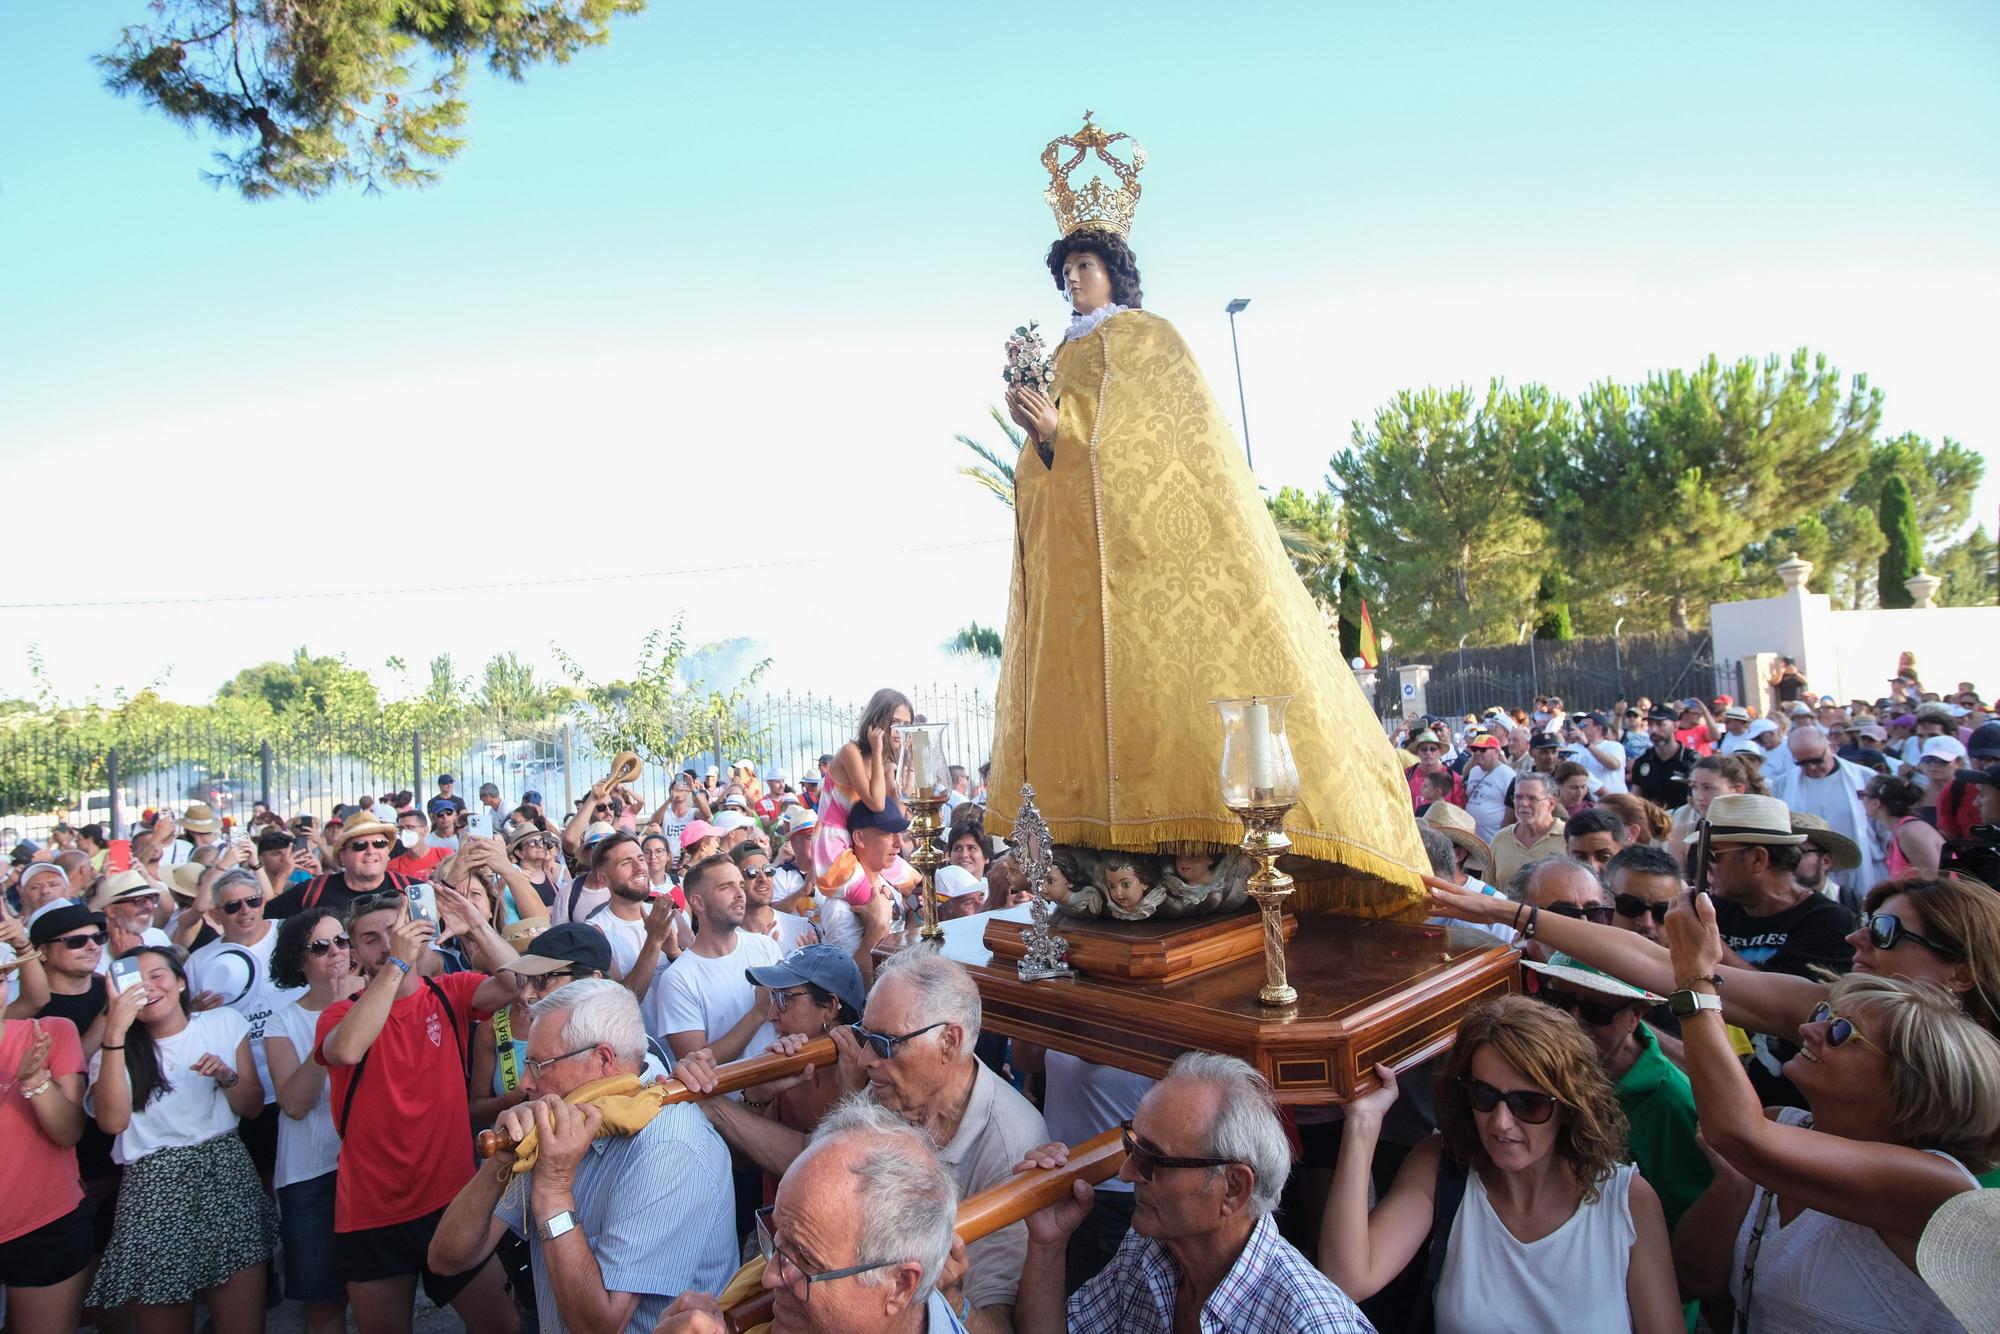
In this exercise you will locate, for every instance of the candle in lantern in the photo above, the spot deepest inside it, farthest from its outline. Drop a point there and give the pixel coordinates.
(1263, 758)
(920, 766)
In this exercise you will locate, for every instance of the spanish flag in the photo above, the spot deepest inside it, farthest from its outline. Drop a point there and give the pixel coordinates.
(1370, 655)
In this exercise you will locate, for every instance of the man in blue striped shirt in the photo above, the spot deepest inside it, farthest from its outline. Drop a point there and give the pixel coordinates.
(616, 1227)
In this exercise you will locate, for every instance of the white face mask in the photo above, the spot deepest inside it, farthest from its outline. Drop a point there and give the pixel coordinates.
(408, 837)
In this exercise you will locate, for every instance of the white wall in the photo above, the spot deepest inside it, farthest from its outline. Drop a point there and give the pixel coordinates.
(1852, 654)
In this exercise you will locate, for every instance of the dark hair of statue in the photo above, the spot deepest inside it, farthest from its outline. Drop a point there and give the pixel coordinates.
(1120, 265)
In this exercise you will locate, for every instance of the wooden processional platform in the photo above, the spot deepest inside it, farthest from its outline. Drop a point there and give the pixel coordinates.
(1369, 992)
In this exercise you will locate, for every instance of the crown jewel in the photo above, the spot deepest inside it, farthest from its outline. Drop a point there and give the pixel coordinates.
(1096, 204)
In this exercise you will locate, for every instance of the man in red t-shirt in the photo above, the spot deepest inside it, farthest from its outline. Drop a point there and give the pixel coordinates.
(396, 1062)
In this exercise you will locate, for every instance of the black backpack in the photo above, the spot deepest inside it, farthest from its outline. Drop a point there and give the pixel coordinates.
(461, 1043)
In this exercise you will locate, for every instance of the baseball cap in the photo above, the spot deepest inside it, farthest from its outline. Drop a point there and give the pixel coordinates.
(1544, 741)
(1597, 716)
(1943, 748)
(1904, 720)
(1871, 732)
(1660, 713)
(828, 967)
(24, 851)
(445, 778)
(59, 919)
(531, 798)
(694, 832)
(576, 945)
(1483, 741)
(1985, 743)
(890, 819)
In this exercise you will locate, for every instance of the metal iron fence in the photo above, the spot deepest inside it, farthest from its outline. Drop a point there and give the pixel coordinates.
(1587, 673)
(48, 778)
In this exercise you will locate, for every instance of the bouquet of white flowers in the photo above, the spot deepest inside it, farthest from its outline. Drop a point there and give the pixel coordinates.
(1028, 362)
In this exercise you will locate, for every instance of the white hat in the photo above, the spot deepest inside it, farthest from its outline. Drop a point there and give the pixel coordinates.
(714, 772)
(797, 820)
(1740, 817)
(1944, 748)
(1761, 727)
(1799, 706)
(1957, 1255)
(1580, 974)
(955, 882)
(732, 820)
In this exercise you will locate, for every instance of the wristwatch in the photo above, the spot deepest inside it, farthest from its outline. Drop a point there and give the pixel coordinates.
(557, 1224)
(1687, 1004)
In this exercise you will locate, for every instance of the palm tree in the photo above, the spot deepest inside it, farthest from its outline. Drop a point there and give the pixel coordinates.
(997, 474)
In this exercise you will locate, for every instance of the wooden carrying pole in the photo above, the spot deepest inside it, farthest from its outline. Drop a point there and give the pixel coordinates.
(979, 1216)
(733, 1077)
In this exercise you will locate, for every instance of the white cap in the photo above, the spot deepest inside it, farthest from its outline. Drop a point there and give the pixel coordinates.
(1944, 748)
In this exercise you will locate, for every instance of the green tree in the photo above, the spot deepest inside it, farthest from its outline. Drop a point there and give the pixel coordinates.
(1903, 550)
(312, 94)
(995, 471)
(1655, 496)
(510, 690)
(657, 714)
(978, 640)
(307, 686)
(1970, 568)
(1433, 498)
(1309, 529)
(1552, 620)
(1350, 611)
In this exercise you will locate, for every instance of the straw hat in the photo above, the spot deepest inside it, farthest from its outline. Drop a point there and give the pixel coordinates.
(185, 879)
(1958, 1253)
(1843, 853)
(1458, 826)
(519, 933)
(121, 885)
(523, 832)
(199, 819)
(363, 825)
(1579, 974)
(1739, 817)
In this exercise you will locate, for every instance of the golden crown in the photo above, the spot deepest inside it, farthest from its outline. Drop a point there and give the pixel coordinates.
(1096, 204)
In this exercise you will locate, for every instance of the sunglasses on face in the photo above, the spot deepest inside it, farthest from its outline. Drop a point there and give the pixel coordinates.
(1631, 905)
(884, 1045)
(369, 845)
(82, 940)
(1600, 913)
(1840, 1030)
(543, 981)
(757, 873)
(1886, 931)
(1147, 1160)
(319, 948)
(1529, 1106)
(1595, 1013)
(238, 905)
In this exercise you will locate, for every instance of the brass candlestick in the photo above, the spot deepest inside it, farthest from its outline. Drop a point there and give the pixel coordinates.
(1264, 840)
(928, 855)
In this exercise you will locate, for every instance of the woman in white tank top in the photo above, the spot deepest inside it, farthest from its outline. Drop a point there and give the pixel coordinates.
(1813, 1219)
(1553, 1231)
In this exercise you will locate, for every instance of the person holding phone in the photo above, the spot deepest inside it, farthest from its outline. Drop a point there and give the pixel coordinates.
(171, 1084)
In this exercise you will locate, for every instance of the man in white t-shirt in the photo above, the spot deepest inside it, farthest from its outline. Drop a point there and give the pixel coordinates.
(1487, 778)
(620, 863)
(702, 998)
(1601, 757)
(238, 968)
(759, 883)
(1736, 731)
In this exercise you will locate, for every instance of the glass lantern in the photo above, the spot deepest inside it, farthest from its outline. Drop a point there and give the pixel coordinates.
(923, 771)
(1257, 765)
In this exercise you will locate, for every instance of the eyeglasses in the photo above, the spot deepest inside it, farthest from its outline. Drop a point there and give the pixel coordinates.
(238, 905)
(1814, 761)
(789, 1271)
(759, 873)
(782, 999)
(543, 981)
(82, 940)
(140, 901)
(1599, 913)
(883, 1044)
(1529, 1106)
(367, 845)
(1147, 1160)
(1886, 930)
(1631, 905)
(1595, 1013)
(388, 900)
(1840, 1030)
(317, 948)
(538, 1068)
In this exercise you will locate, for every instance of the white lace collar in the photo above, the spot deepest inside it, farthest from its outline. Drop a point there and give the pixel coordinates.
(1081, 325)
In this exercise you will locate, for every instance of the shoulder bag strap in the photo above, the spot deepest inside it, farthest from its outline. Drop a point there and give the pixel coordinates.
(1750, 1259)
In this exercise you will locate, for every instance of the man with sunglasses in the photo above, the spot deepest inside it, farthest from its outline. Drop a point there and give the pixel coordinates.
(760, 887)
(1565, 887)
(237, 967)
(363, 848)
(1207, 1158)
(913, 1054)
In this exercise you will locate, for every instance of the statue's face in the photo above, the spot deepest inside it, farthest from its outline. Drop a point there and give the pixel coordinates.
(1057, 887)
(1124, 887)
(1087, 281)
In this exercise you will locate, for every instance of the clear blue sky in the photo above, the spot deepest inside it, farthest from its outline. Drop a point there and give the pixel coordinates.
(722, 291)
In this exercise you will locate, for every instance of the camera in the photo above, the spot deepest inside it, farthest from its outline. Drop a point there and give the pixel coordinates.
(1978, 856)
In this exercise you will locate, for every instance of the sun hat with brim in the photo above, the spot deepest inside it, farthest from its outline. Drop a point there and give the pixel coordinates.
(1736, 713)
(799, 821)
(1842, 852)
(1579, 974)
(828, 967)
(362, 826)
(522, 833)
(520, 934)
(1958, 1253)
(184, 880)
(119, 886)
(571, 945)
(1739, 817)
(1458, 826)
(1426, 738)
(730, 821)
(1761, 727)
(199, 819)
(60, 918)
(694, 832)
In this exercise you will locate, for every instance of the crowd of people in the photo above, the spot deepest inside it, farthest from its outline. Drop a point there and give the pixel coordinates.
(1753, 1059)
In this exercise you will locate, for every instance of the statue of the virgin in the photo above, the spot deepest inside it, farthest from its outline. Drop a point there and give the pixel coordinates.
(1149, 580)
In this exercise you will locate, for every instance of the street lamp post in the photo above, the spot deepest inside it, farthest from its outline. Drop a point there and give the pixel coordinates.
(1242, 410)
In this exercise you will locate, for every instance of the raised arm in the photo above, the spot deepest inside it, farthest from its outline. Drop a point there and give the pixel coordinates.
(1360, 1249)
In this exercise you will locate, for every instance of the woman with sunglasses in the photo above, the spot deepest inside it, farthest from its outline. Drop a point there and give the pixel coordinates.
(532, 850)
(1551, 1230)
(1813, 1220)
(311, 952)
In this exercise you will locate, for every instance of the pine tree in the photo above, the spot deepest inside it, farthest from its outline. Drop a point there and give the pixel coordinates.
(1553, 622)
(1904, 557)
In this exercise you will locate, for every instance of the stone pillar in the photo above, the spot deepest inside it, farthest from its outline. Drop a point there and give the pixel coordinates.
(1412, 685)
(1366, 679)
(1923, 587)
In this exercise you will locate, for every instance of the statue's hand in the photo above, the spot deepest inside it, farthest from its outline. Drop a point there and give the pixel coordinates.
(1039, 412)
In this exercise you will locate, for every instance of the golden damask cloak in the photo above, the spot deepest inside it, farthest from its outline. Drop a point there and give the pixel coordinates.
(1149, 580)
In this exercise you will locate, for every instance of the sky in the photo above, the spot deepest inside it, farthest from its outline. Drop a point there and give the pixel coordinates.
(689, 327)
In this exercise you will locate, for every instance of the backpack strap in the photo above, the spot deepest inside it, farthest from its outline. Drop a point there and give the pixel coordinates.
(313, 892)
(460, 1043)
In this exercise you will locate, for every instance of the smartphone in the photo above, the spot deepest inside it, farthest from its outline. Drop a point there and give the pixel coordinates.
(423, 902)
(124, 975)
(302, 844)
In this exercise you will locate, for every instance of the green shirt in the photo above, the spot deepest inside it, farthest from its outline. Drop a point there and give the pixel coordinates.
(1659, 1108)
